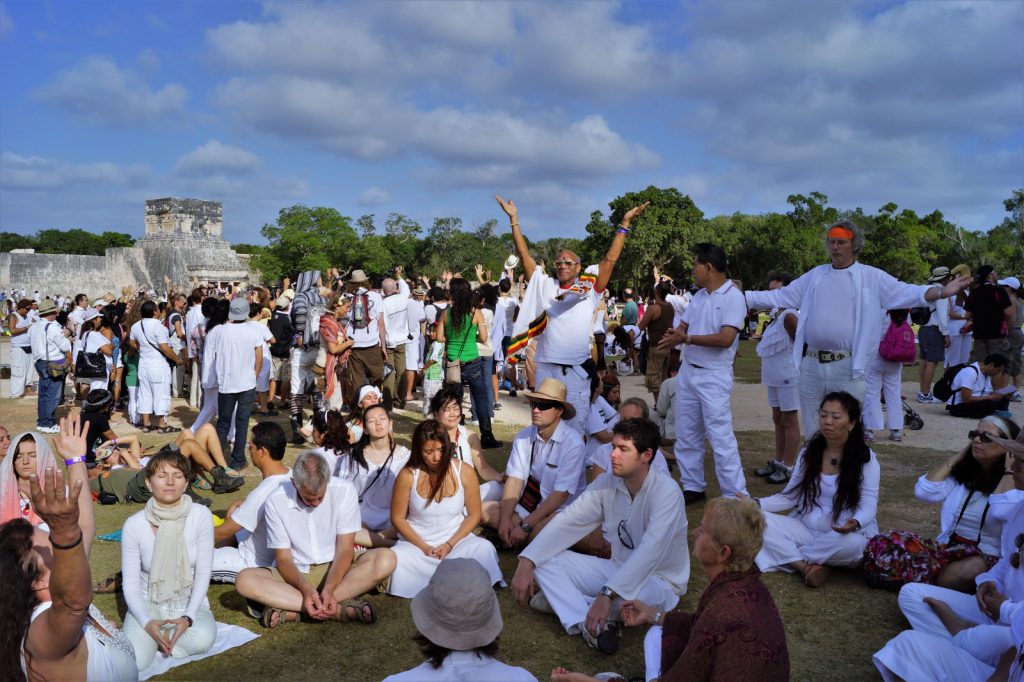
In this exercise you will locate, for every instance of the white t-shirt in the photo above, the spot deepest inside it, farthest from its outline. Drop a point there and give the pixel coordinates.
(252, 539)
(263, 333)
(679, 303)
(311, 532)
(415, 313)
(149, 333)
(707, 314)
(173, 341)
(459, 666)
(76, 317)
(830, 327)
(368, 336)
(432, 311)
(375, 484)
(232, 355)
(193, 318)
(559, 464)
(484, 349)
(972, 378)
(566, 340)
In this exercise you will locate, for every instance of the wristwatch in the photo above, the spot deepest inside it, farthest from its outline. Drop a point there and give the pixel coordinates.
(609, 592)
(527, 528)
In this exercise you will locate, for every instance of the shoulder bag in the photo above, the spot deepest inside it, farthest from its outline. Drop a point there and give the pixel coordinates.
(56, 370)
(90, 365)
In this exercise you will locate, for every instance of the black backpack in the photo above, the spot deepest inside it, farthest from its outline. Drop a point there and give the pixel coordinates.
(920, 315)
(943, 388)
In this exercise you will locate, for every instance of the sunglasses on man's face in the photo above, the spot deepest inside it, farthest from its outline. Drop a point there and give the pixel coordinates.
(543, 407)
(566, 263)
(1018, 542)
(985, 437)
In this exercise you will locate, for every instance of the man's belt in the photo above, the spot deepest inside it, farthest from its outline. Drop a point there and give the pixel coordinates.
(824, 356)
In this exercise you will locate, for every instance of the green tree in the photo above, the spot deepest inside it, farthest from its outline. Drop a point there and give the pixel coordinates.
(1005, 243)
(13, 240)
(306, 238)
(115, 240)
(74, 241)
(759, 244)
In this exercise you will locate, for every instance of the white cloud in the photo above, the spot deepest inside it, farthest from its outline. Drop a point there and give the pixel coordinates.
(374, 196)
(99, 90)
(37, 174)
(215, 156)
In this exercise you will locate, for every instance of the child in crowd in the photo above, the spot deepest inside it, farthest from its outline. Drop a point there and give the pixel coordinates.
(433, 372)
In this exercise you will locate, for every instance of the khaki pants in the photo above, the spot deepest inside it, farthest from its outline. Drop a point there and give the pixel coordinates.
(394, 384)
(365, 366)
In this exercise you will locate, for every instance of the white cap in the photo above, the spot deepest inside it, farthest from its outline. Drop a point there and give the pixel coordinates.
(1011, 282)
(367, 390)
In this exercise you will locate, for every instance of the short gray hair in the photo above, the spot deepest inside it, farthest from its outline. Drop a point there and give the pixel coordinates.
(389, 286)
(858, 234)
(311, 471)
(640, 404)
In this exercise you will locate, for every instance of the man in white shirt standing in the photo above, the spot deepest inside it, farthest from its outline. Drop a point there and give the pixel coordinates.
(149, 338)
(242, 538)
(194, 318)
(77, 314)
(559, 311)
(710, 331)
(19, 323)
(366, 329)
(643, 514)
(417, 320)
(49, 344)
(395, 301)
(311, 527)
(839, 304)
(236, 358)
(546, 468)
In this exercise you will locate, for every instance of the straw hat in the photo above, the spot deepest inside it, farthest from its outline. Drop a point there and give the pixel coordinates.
(961, 270)
(47, 307)
(938, 274)
(511, 262)
(457, 609)
(553, 391)
(358, 277)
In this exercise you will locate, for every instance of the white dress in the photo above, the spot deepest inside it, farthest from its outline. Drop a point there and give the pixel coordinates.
(435, 523)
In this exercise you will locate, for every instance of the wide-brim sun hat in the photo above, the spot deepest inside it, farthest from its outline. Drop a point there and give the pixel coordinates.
(961, 270)
(938, 274)
(512, 262)
(552, 391)
(458, 609)
(47, 307)
(358, 277)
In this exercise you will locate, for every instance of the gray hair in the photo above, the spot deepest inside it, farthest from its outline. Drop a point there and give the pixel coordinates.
(389, 286)
(640, 404)
(858, 234)
(311, 471)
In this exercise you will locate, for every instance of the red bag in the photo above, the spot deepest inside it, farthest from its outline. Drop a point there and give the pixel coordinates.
(898, 343)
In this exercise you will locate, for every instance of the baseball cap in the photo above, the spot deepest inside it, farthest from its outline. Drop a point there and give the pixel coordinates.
(239, 310)
(1011, 282)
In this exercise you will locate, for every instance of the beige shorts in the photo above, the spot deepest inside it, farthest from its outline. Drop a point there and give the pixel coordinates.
(280, 369)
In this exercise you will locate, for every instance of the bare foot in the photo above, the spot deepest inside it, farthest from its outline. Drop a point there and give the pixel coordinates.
(950, 620)
(816, 575)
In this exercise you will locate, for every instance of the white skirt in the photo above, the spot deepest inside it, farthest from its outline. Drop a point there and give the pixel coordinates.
(415, 568)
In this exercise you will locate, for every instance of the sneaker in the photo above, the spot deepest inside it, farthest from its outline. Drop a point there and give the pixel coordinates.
(896, 436)
(1016, 397)
(607, 642)
(497, 406)
(869, 436)
(781, 475)
(48, 429)
(540, 603)
(693, 496)
(927, 398)
(767, 470)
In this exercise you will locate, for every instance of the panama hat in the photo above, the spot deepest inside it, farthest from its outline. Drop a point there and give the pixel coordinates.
(552, 391)
(511, 262)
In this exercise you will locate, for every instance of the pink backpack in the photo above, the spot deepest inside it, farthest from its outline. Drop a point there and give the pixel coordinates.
(898, 343)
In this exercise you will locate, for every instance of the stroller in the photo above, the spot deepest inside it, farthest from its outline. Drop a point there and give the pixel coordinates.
(911, 419)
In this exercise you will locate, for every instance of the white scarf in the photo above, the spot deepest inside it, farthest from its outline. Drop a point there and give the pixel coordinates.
(170, 577)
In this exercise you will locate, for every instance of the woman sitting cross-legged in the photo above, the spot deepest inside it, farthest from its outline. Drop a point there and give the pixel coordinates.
(372, 465)
(834, 497)
(434, 508)
(166, 560)
(736, 632)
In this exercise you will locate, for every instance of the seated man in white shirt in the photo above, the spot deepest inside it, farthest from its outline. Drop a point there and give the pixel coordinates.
(980, 388)
(242, 539)
(649, 556)
(545, 469)
(312, 523)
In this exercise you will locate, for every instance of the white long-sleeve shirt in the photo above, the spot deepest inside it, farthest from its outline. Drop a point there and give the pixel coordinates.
(655, 521)
(953, 496)
(1009, 581)
(873, 289)
(137, 543)
(819, 517)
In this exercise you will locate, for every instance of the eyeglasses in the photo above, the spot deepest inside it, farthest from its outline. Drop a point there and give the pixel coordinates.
(1018, 542)
(543, 407)
(566, 263)
(627, 541)
(985, 437)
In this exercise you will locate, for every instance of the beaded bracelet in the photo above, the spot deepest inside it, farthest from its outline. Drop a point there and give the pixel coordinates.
(622, 230)
(74, 460)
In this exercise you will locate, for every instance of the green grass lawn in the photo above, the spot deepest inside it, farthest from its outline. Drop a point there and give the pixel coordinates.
(831, 632)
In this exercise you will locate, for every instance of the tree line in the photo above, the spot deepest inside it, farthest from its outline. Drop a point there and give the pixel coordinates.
(74, 241)
(897, 240)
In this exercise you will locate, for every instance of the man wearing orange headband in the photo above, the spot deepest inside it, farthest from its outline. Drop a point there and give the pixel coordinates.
(840, 306)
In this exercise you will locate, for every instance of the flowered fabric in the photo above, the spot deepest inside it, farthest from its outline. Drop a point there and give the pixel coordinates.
(898, 557)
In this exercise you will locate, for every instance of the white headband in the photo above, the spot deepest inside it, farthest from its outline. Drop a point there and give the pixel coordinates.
(999, 423)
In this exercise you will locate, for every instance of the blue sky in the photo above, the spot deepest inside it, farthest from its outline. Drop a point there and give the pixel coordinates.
(429, 108)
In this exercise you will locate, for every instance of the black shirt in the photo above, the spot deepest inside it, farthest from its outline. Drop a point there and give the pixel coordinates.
(987, 304)
(280, 325)
(95, 424)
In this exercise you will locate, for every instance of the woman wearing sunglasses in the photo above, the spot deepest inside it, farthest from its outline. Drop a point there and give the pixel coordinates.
(958, 636)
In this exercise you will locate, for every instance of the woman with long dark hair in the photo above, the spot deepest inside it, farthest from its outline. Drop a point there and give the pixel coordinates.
(833, 494)
(435, 507)
(462, 326)
(372, 465)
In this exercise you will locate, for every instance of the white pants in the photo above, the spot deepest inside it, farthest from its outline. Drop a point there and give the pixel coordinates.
(413, 356)
(133, 404)
(883, 378)
(818, 379)
(929, 652)
(263, 380)
(195, 386)
(577, 387)
(155, 389)
(491, 491)
(197, 639)
(227, 563)
(787, 539)
(302, 369)
(209, 410)
(959, 350)
(21, 371)
(572, 581)
(652, 653)
(703, 411)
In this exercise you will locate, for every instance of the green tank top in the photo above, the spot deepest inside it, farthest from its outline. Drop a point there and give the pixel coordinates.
(462, 343)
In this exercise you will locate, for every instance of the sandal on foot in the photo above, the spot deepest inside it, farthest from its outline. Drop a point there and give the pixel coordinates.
(267, 617)
(168, 429)
(361, 607)
(109, 585)
(816, 575)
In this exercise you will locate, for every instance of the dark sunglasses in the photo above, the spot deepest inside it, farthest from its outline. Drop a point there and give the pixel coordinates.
(627, 541)
(985, 437)
(1018, 542)
(543, 407)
